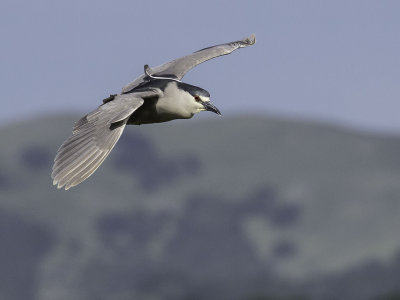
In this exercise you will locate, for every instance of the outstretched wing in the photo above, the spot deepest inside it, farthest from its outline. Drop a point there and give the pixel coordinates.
(93, 137)
(179, 67)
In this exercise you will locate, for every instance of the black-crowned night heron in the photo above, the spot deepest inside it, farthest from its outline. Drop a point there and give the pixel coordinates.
(157, 96)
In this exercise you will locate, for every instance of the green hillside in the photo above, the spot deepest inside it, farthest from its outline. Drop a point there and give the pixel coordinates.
(227, 208)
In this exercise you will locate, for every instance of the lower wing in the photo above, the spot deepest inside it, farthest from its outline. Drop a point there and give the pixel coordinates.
(93, 137)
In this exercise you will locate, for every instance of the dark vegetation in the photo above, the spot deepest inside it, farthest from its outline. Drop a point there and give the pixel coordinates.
(199, 220)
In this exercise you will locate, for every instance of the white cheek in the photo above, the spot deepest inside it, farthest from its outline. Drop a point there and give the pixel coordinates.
(199, 107)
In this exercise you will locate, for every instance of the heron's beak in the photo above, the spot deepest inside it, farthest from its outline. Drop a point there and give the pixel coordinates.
(210, 107)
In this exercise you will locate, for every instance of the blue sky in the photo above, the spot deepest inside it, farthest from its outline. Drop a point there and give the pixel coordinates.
(335, 61)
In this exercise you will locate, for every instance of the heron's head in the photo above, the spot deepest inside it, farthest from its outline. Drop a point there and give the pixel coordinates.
(200, 98)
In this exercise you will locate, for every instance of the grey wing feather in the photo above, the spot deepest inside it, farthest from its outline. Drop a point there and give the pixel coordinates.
(179, 67)
(93, 138)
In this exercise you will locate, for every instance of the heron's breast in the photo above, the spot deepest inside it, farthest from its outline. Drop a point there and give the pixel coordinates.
(156, 111)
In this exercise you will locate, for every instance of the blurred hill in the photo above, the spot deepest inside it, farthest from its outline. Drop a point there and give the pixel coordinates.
(234, 208)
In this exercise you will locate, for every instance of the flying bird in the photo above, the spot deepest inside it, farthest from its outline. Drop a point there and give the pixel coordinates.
(158, 95)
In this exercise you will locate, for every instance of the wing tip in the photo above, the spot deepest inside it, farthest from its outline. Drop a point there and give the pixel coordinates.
(251, 40)
(65, 185)
(56, 182)
(57, 185)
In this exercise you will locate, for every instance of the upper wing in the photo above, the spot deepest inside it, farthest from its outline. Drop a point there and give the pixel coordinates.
(179, 67)
(93, 137)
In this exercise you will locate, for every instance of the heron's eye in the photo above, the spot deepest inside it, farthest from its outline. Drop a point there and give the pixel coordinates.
(197, 98)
